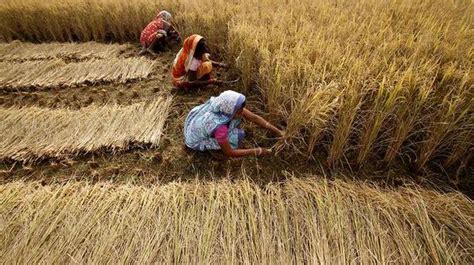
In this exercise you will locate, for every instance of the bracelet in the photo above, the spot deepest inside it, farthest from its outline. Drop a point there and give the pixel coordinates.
(259, 151)
(266, 124)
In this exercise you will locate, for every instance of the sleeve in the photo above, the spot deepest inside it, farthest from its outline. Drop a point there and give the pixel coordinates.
(220, 134)
(195, 63)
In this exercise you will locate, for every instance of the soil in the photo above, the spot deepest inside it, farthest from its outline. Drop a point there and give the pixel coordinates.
(171, 161)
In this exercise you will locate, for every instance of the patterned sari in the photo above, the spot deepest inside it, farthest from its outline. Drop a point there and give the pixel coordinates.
(159, 26)
(203, 120)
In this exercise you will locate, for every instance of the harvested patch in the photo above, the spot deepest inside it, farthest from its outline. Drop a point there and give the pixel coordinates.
(300, 221)
(27, 133)
(24, 51)
(52, 73)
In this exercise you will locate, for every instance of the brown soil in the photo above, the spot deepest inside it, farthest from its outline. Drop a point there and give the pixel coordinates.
(171, 161)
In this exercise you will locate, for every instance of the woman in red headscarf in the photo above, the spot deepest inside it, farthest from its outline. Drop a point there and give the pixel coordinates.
(157, 33)
(192, 66)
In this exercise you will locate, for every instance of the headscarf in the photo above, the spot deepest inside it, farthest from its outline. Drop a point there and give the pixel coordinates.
(203, 120)
(183, 59)
(227, 103)
(165, 15)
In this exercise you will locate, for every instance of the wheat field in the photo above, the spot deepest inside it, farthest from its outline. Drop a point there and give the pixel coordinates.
(356, 80)
(32, 132)
(24, 51)
(300, 221)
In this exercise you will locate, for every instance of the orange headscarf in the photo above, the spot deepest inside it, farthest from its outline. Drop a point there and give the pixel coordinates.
(183, 59)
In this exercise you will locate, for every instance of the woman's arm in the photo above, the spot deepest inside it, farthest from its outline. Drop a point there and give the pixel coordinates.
(261, 122)
(217, 64)
(207, 57)
(194, 82)
(228, 151)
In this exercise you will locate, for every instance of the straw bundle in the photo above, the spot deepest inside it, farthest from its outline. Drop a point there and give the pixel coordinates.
(56, 72)
(302, 221)
(26, 133)
(23, 51)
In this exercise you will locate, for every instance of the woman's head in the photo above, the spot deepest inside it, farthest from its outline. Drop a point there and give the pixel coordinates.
(239, 112)
(165, 15)
(229, 103)
(201, 48)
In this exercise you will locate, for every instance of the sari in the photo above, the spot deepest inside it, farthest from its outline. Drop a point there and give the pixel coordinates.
(183, 60)
(159, 26)
(203, 120)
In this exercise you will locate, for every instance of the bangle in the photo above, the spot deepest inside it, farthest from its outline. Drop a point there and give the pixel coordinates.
(266, 124)
(259, 151)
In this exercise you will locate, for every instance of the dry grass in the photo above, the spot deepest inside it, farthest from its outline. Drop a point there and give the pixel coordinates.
(300, 221)
(56, 72)
(396, 69)
(28, 133)
(23, 51)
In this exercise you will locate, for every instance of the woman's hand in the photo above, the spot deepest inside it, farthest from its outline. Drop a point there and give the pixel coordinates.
(264, 151)
(281, 133)
(223, 65)
(247, 114)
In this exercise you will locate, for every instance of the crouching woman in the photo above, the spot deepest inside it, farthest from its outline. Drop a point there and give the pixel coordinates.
(158, 33)
(192, 66)
(214, 125)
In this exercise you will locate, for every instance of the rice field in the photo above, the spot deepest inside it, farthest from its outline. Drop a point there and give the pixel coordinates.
(378, 87)
(300, 221)
(32, 133)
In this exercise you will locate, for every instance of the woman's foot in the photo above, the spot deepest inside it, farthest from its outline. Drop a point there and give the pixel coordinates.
(151, 51)
(142, 52)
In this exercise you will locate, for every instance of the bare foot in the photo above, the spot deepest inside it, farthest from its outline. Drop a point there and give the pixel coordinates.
(143, 51)
(152, 52)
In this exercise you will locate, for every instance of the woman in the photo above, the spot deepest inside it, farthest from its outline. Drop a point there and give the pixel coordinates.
(214, 125)
(157, 33)
(192, 66)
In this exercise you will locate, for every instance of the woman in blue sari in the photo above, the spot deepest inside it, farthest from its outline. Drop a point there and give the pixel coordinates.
(214, 125)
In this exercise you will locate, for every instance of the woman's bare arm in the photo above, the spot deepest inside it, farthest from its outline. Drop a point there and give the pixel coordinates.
(194, 82)
(207, 57)
(228, 151)
(218, 64)
(247, 114)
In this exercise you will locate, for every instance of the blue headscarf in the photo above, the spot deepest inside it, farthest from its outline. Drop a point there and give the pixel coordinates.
(203, 120)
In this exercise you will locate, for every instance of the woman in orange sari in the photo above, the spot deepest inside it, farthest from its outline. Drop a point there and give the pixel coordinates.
(192, 66)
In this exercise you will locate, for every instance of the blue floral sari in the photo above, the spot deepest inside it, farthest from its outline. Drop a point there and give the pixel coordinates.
(204, 119)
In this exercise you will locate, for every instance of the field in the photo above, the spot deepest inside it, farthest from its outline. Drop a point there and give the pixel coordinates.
(376, 98)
